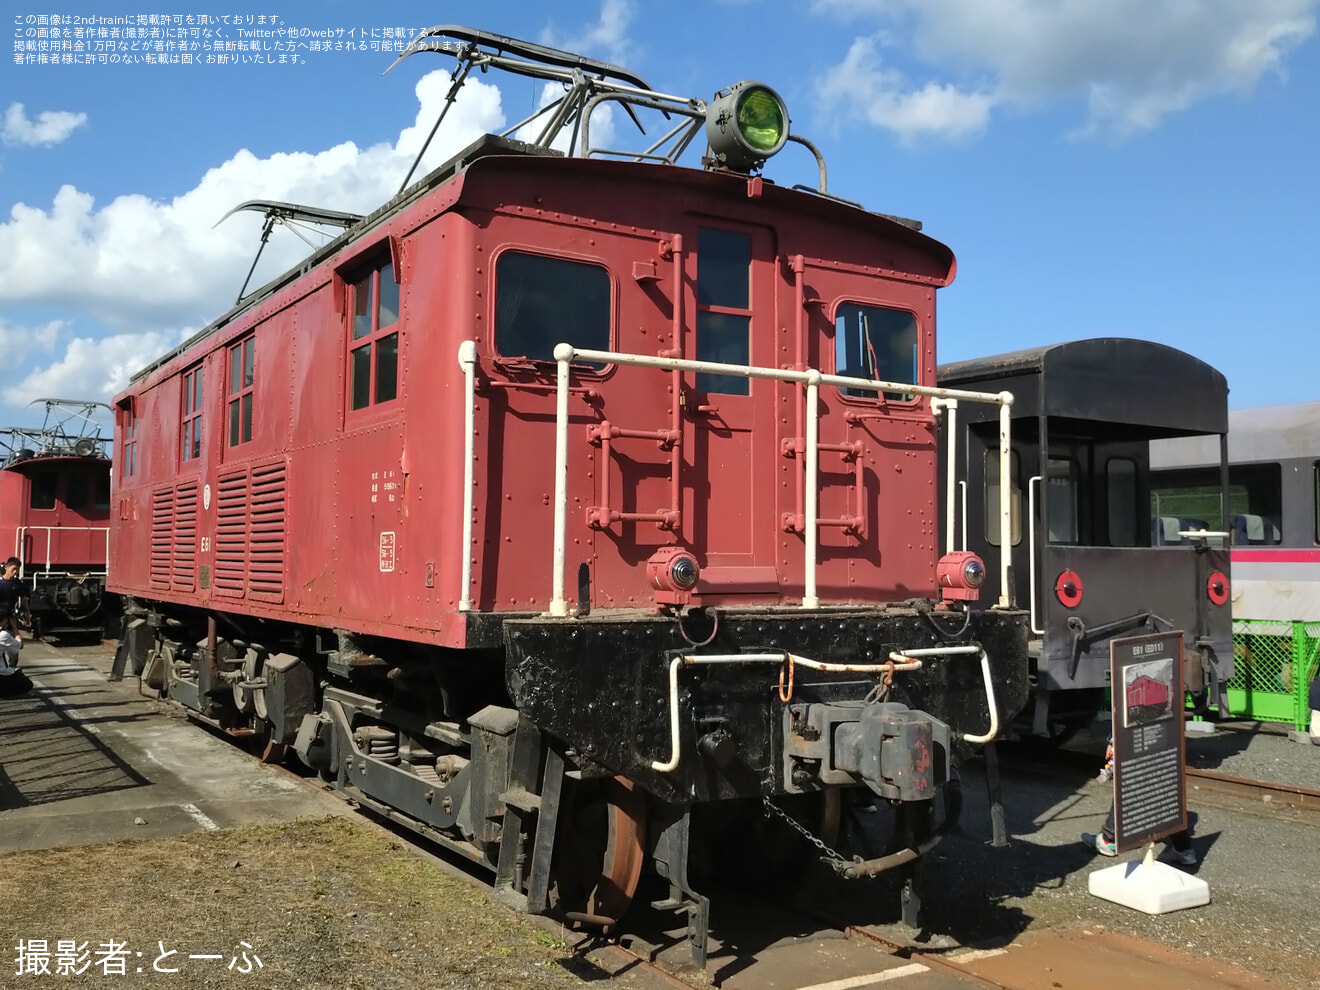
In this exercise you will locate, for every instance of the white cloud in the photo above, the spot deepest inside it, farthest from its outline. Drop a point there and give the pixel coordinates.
(1133, 62)
(93, 369)
(145, 268)
(18, 342)
(608, 36)
(862, 86)
(140, 264)
(50, 127)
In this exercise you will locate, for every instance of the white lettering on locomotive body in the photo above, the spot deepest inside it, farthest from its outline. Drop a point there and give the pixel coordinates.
(386, 552)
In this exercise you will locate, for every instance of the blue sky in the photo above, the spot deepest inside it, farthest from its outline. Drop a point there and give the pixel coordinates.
(1139, 168)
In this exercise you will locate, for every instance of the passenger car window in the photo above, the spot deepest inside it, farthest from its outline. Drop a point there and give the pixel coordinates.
(876, 343)
(541, 302)
(1062, 488)
(992, 498)
(1121, 488)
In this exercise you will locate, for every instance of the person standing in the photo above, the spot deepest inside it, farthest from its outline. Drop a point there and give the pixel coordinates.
(13, 682)
(12, 590)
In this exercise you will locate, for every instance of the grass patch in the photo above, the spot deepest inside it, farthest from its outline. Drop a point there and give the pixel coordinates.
(330, 903)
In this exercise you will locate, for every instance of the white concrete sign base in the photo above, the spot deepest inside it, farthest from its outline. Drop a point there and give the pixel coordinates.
(1149, 886)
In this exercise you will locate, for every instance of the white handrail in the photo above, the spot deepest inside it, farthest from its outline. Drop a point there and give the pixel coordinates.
(467, 360)
(565, 353)
(1031, 550)
(50, 535)
(899, 660)
(951, 438)
(810, 535)
(962, 486)
(1005, 516)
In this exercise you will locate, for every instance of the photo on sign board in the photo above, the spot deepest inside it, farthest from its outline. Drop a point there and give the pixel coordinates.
(1148, 692)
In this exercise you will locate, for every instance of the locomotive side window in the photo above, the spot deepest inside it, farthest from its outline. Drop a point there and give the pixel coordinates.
(541, 302)
(43, 490)
(876, 343)
(724, 316)
(76, 491)
(129, 459)
(992, 497)
(1121, 485)
(373, 354)
(102, 491)
(191, 426)
(241, 358)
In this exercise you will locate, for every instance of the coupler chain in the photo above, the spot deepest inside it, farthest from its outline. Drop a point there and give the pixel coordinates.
(836, 860)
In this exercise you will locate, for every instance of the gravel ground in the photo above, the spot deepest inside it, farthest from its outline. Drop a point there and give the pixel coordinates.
(1256, 750)
(332, 903)
(1264, 913)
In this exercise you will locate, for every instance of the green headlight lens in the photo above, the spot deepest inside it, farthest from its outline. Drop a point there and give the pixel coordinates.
(760, 120)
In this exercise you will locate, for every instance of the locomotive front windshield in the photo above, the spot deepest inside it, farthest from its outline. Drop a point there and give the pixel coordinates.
(541, 302)
(876, 343)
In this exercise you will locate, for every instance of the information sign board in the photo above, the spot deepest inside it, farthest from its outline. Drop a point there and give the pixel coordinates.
(1150, 796)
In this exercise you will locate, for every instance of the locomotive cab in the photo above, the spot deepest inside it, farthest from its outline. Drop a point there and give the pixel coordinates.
(1102, 561)
(619, 523)
(55, 517)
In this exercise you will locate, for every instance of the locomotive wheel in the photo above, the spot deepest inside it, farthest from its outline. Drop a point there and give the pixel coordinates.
(263, 745)
(598, 862)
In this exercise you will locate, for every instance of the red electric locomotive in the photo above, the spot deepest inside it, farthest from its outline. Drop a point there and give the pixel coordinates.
(55, 516)
(565, 501)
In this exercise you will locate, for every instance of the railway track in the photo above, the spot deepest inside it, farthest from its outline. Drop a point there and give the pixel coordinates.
(1275, 796)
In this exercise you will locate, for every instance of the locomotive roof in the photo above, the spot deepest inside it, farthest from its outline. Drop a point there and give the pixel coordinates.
(491, 146)
(1148, 389)
(1262, 433)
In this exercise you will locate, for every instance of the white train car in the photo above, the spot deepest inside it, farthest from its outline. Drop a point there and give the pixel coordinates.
(1272, 487)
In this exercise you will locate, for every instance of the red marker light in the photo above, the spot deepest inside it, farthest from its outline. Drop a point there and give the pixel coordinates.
(1217, 588)
(1069, 589)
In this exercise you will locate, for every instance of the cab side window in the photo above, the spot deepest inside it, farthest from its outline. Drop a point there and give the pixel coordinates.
(191, 423)
(373, 350)
(542, 301)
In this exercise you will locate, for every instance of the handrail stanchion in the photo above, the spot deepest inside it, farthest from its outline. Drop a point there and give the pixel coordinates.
(467, 359)
(1031, 551)
(938, 406)
(813, 379)
(809, 597)
(563, 354)
(1005, 517)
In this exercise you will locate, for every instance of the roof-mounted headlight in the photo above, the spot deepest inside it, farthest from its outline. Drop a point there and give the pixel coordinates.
(745, 125)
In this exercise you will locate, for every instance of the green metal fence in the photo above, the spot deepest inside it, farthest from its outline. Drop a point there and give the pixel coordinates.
(1274, 664)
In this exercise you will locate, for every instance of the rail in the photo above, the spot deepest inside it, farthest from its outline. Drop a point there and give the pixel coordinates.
(50, 532)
